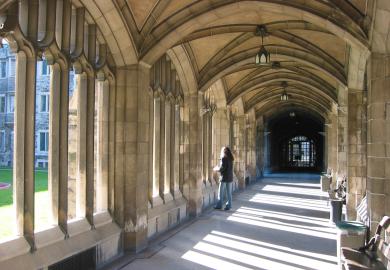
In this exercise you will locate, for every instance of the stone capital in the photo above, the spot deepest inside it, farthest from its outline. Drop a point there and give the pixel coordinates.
(159, 94)
(170, 98)
(77, 67)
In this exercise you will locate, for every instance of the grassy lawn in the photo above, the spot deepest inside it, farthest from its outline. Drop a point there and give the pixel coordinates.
(7, 216)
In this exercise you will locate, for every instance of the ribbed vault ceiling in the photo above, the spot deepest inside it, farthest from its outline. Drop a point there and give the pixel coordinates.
(312, 40)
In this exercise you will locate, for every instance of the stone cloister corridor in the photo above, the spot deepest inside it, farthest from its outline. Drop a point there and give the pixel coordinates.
(113, 114)
(279, 223)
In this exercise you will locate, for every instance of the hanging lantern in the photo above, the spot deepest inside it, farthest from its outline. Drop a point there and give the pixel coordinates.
(263, 57)
(284, 96)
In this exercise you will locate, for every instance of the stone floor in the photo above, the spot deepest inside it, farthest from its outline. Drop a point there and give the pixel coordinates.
(280, 223)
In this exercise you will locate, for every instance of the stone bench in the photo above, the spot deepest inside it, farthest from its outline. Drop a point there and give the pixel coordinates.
(375, 255)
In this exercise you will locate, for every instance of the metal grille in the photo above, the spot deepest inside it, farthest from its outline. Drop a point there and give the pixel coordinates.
(85, 260)
(299, 152)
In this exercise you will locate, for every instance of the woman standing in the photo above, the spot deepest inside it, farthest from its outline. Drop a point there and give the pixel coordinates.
(226, 179)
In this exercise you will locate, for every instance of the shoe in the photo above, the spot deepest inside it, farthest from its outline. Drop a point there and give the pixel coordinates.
(217, 208)
(226, 208)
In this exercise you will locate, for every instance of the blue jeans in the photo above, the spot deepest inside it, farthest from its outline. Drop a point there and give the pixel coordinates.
(224, 186)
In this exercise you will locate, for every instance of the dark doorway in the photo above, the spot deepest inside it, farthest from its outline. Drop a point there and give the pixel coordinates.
(296, 142)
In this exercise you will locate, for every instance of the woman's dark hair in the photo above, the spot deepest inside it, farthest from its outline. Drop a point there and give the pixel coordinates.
(228, 153)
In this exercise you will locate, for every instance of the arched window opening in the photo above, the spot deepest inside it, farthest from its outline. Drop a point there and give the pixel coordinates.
(7, 109)
(299, 152)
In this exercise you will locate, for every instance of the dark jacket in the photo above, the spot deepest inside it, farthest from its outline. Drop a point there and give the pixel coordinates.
(226, 170)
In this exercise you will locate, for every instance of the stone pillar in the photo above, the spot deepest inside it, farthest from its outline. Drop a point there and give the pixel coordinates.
(342, 137)
(331, 130)
(176, 152)
(102, 145)
(167, 149)
(63, 147)
(111, 147)
(357, 141)
(250, 159)
(195, 103)
(220, 135)
(58, 144)
(260, 148)
(162, 144)
(210, 130)
(203, 133)
(156, 199)
(240, 150)
(378, 139)
(81, 181)
(90, 153)
(54, 142)
(185, 148)
(136, 157)
(151, 146)
(21, 98)
(24, 143)
(120, 123)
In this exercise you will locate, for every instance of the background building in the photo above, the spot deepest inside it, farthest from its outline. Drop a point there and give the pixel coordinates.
(7, 108)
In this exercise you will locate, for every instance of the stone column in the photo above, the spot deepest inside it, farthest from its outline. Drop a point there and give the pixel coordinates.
(167, 149)
(342, 140)
(260, 148)
(120, 123)
(19, 138)
(102, 145)
(58, 144)
(210, 147)
(90, 153)
(162, 145)
(111, 147)
(151, 146)
(378, 139)
(240, 127)
(195, 104)
(136, 140)
(184, 148)
(176, 152)
(203, 128)
(54, 142)
(24, 144)
(331, 129)
(357, 141)
(156, 199)
(63, 147)
(81, 160)
(250, 151)
(220, 134)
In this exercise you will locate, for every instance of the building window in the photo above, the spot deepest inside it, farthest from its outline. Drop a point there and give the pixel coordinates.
(42, 164)
(2, 140)
(45, 68)
(2, 104)
(11, 104)
(12, 67)
(43, 141)
(44, 103)
(3, 69)
(11, 141)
